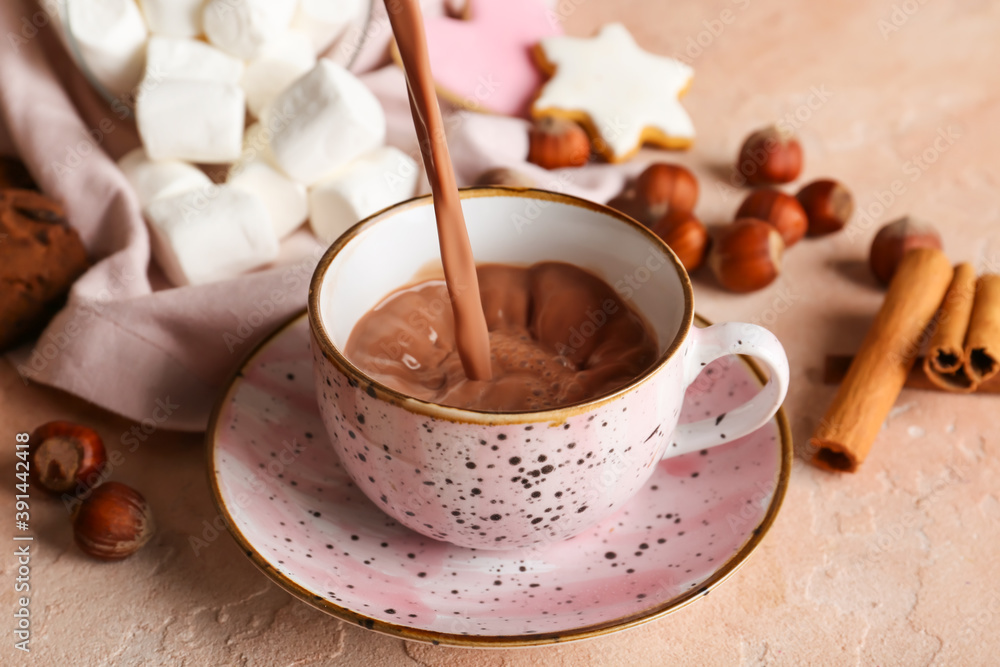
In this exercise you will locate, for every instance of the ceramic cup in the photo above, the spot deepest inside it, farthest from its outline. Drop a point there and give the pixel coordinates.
(511, 480)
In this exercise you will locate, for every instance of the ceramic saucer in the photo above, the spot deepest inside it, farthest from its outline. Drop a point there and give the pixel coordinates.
(301, 520)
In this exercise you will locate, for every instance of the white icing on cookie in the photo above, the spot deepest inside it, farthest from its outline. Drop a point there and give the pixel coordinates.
(624, 95)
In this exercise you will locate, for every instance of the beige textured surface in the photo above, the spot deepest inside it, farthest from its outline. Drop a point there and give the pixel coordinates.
(894, 565)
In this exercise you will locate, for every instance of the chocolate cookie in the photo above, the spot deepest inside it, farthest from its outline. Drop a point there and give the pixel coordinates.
(13, 174)
(40, 257)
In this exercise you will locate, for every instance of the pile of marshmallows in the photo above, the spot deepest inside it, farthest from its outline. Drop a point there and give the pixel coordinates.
(316, 151)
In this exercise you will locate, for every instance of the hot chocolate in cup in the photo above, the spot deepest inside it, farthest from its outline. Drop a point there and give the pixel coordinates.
(507, 480)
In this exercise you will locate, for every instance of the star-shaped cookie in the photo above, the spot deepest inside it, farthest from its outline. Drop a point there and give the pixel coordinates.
(622, 95)
(484, 60)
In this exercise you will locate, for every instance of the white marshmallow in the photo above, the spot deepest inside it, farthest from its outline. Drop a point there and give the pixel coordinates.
(324, 20)
(111, 37)
(286, 201)
(173, 18)
(155, 180)
(210, 234)
(242, 27)
(323, 121)
(191, 60)
(198, 121)
(280, 62)
(379, 179)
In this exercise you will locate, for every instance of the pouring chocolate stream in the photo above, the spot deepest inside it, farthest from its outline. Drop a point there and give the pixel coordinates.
(472, 337)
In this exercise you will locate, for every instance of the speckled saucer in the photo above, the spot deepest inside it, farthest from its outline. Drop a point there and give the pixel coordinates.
(301, 520)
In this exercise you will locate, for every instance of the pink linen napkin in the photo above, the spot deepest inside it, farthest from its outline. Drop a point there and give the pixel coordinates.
(128, 341)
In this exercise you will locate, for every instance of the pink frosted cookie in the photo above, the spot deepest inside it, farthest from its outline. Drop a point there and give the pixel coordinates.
(622, 95)
(484, 61)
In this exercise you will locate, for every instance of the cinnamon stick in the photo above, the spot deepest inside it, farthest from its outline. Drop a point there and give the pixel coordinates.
(835, 370)
(879, 371)
(982, 343)
(945, 361)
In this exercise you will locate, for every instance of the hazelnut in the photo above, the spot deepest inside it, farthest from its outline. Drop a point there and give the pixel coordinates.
(630, 205)
(746, 255)
(770, 155)
(113, 522)
(659, 190)
(504, 176)
(66, 455)
(894, 240)
(781, 210)
(557, 142)
(666, 187)
(828, 206)
(685, 235)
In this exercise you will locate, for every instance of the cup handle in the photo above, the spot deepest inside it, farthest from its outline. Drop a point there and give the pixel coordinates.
(720, 340)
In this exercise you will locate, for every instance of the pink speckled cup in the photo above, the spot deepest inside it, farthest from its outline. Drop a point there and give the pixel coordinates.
(510, 480)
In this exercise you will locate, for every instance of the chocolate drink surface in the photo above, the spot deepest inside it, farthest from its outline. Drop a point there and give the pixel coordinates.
(558, 334)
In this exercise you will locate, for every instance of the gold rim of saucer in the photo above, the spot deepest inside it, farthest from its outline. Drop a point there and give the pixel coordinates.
(724, 572)
(555, 416)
